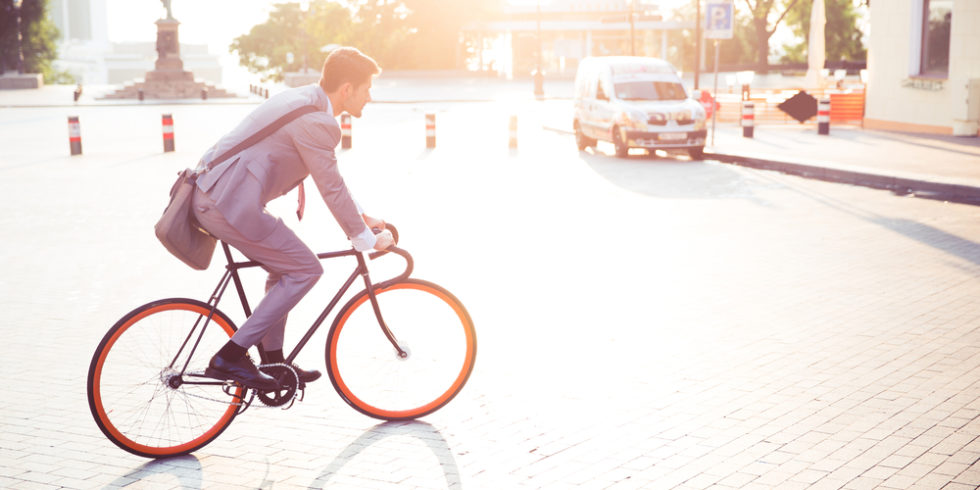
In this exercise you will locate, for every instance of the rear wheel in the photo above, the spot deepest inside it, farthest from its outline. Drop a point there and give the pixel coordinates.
(581, 140)
(622, 149)
(432, 328)
(136, 392)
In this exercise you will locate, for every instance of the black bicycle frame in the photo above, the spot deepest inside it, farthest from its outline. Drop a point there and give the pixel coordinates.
(231, 276)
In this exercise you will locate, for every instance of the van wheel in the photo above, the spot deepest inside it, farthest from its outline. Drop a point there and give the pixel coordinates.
(622, 150)
(696, 153)
(581, 140)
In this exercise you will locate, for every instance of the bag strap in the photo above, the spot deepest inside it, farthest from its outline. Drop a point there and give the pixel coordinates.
(262, 134)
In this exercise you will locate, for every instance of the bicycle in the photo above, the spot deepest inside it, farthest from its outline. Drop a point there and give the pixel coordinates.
(149, 395)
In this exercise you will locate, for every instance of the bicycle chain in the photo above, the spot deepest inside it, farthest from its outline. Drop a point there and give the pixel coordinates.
(253, 392)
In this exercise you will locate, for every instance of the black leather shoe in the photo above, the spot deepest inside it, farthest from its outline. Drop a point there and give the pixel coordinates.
(304, 375)
(241, 371)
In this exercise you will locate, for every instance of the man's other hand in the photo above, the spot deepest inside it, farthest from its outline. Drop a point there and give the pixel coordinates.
(373, 223)
(385, 240)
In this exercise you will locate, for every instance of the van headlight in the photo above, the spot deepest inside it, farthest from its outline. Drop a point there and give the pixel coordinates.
(700, 119)
(633, 119)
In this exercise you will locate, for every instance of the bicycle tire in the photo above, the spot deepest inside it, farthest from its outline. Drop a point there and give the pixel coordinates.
(364, 366)
(132, 362)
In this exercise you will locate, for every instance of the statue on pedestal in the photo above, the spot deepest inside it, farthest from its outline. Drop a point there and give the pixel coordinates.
(166, 5)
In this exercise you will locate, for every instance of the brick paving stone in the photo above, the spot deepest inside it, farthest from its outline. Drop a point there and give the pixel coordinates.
(795, 332)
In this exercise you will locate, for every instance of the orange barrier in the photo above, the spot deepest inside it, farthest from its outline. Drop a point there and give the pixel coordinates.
(845, 107)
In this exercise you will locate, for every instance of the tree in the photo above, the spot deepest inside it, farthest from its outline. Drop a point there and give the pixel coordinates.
(38, 32)
(735, 51)
(763, 29)
(841, 34)
(267, 47)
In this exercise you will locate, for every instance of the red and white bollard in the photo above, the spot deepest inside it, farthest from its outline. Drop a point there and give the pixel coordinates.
(823, 116)
(168, 133)
(748, 118)
(513, 132)
(74, 135)
(430, 130)
(345, 131)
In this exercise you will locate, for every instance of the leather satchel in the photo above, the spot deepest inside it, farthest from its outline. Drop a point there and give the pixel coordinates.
(177, 229)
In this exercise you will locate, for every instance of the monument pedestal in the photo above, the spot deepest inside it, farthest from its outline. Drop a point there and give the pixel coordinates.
(15, 81)
(168, 80)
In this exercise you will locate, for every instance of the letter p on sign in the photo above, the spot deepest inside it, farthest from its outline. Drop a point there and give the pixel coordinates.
(719, 19)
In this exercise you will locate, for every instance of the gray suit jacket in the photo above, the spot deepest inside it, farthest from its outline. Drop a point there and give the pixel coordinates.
(242, 185)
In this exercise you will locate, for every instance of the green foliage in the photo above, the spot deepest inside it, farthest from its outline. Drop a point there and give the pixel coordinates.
(735, 51)
(38, 32)
(841, 34)
(289, 30)
(399, 34)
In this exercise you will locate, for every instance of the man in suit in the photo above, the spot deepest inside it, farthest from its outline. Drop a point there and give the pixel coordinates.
(230, 203)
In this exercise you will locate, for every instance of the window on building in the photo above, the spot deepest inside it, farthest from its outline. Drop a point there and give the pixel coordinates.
(936, 20)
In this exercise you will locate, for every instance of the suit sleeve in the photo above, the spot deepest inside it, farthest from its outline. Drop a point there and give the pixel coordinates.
(315, 139)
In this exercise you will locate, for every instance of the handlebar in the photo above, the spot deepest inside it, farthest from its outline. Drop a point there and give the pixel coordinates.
(409, 263)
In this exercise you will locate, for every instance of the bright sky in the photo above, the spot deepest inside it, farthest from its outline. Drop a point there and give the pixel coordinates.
(212, 22)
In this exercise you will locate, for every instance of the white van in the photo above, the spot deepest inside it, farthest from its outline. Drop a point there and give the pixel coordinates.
(636, 102)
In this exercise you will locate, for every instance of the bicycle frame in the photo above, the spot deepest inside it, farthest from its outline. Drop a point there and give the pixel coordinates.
(231, 276)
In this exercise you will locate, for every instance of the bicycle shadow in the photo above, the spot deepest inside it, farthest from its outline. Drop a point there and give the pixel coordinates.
(186, 468)
(417, 429)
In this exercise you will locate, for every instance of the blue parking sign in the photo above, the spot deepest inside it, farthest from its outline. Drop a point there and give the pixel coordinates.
(719, 19)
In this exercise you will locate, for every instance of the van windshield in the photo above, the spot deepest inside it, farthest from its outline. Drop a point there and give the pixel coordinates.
(649, 90)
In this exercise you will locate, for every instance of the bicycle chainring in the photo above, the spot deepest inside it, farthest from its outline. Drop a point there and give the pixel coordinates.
(288, 385)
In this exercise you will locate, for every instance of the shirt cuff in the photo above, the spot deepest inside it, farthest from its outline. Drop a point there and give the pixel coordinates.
(365, 240)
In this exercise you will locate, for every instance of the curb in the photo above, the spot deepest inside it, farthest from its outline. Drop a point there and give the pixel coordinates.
(927, 189)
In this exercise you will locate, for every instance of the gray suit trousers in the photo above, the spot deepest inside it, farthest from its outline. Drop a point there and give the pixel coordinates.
(293, 270)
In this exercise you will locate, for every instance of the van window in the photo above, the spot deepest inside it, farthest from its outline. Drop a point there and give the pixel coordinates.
(600, 93)
(650, 90)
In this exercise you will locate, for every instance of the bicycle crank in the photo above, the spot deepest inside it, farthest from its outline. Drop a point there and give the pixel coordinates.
(289, 386)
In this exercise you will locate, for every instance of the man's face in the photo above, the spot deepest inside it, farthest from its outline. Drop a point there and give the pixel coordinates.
(360, 95)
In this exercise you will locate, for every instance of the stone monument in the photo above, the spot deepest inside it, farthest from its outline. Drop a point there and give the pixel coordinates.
(168, 79)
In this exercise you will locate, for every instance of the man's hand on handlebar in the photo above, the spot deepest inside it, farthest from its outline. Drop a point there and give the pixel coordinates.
(385, 239)
(373, 223)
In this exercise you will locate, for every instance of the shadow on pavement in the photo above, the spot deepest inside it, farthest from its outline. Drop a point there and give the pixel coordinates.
(186, 469)
(417, 429)
(933, 237)
(674, 176)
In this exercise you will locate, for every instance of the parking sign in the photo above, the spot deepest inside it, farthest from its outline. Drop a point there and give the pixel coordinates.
(719, 19)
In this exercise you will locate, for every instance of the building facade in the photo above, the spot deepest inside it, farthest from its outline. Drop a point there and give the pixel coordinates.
(924, 66)
(555, 34)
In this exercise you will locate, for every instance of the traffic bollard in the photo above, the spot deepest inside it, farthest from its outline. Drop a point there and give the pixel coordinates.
(139, 95)
(430, 130)
(74, 135)
(204, 94)
(267, 93)
(513, 131)
(823, 116)
(168, 133)
(345, 131)
(748, 119)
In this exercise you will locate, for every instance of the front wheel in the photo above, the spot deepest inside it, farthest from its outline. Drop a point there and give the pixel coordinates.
(622, 148)
(136, 391)
(434, 333)
(696, 153)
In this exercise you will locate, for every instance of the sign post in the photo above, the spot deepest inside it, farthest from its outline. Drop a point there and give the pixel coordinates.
(719, 19)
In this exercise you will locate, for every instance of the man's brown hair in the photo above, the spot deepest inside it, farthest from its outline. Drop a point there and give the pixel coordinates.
(344, 65)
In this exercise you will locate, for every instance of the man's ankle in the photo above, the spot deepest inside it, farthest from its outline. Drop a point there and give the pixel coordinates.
(232, 352)
(274, 356)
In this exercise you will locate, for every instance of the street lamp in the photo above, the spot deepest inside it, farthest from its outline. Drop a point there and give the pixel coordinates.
(20, 45)
(538, 76)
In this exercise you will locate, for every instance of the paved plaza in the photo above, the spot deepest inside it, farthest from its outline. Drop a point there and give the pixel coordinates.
(652, 322)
